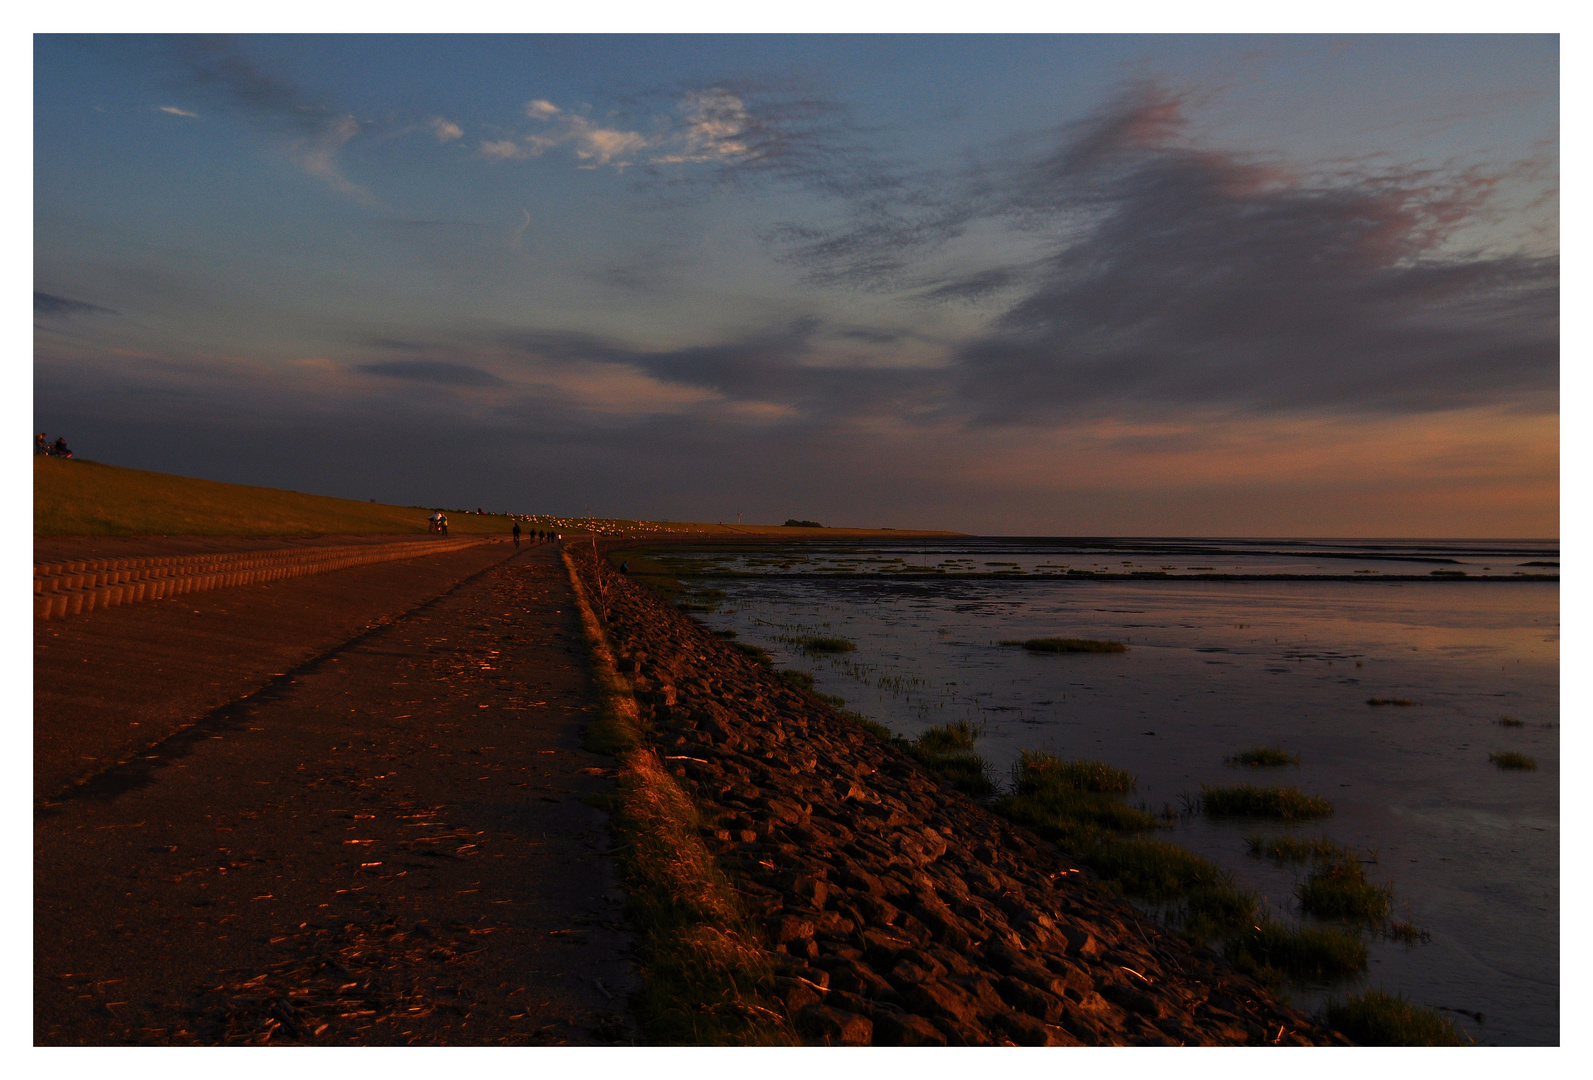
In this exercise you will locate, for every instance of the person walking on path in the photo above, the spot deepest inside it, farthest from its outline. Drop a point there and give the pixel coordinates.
(517, 534)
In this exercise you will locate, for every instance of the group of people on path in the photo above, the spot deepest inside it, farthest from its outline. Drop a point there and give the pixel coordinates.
(43, 445)
(535, 536)
(438, 523)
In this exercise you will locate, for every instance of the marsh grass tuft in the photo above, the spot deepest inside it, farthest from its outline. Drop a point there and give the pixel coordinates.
(1404, 703)
(1509, 759)
(1262, 756)
(755, 654)
(813, 645)
(1044, 772)
(1069, 645)
(1510, 721)
(1247, 800)
(1337, 888)
(1158, 870)
(875, 728)
(1267, 949)
(947, 753)
(799, 679)
(1408, 933)
(1379, 1019)
(1292, 849)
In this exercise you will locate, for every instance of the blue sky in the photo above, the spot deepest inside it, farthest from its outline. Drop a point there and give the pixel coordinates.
(1013, 284)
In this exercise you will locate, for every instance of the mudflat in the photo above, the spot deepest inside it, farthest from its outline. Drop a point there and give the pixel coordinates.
(386, 843)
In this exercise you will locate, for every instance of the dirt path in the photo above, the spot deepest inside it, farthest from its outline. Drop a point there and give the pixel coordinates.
(386, 845)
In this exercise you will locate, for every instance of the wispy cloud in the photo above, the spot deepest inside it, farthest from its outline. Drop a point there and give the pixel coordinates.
(1157, 274)
(435, 372)
(317, 132)
(445, 130)
(748, 129)
(61, 307)
(175, 111)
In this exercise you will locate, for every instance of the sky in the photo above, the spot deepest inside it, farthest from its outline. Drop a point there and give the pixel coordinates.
(1259, 285)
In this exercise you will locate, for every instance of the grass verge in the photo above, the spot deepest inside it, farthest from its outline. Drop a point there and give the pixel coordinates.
(86, 498)
(1378, 1019)
(707, 978)
(1247, 800)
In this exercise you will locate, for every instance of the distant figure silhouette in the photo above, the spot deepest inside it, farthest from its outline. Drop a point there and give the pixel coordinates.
(517, 534)
(59, 449)
(41, 445)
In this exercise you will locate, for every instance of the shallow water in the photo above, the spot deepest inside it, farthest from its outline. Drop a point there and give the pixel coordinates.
(1471, 851)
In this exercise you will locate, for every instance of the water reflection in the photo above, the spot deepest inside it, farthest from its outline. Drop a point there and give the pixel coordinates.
(1471, 850)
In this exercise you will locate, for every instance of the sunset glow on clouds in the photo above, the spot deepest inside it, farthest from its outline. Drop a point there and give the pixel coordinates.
(989, 283)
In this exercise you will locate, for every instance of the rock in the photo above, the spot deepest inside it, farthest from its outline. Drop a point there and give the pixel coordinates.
(1030, 999)
(834, 1027)
(792, 928)
(943, 999)
(905, 1029)
(797, 994)
(1080, 942)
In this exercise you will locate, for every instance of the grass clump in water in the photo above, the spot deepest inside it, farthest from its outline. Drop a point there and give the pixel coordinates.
(1069, 645)
(1043, 772)
(1247, 800)
(876, 729)
(1158, 870)
(947, 753)
(1337, 888)
(1510, 721)
(1268, 949)
(1210, 910)
(1379, 1019)
(1075, 803)
(1292, 849)
(1408, 933)
(1509, 759)
(1404, 703)
(824, 645)
(757, 655)
(799, 679)
(1262, 756)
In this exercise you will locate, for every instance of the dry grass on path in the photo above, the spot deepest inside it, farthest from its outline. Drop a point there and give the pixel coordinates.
(707, 979)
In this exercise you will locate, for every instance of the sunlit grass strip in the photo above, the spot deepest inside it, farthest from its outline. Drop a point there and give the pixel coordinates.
(1069, 645)
(1379, 1019)
(1247, 800)
(86, 498)
(707, 979)
(1262, 756)
(1509, 759)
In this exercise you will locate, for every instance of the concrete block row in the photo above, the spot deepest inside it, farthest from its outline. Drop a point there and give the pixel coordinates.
(76, 588)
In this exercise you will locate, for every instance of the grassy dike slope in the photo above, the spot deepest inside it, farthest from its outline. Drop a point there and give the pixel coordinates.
(85, 498)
